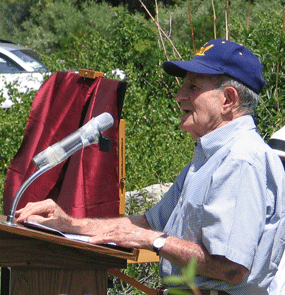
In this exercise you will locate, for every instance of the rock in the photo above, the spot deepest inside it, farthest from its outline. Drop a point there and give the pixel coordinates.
(152, 193)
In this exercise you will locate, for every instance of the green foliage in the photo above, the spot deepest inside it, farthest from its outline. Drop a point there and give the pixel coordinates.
(12, 126)
(186, 279)
(12, 14)
(266, 38)
(147, 274)
(45, 28)
(176, 22)
(74, 34)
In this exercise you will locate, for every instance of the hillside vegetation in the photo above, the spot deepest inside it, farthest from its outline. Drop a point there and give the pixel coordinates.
(70, 35)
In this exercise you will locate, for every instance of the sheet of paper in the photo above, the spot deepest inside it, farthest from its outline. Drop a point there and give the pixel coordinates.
(34, 225)
(81, 238)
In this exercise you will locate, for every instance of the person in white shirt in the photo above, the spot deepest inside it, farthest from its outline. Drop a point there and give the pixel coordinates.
(277, 286)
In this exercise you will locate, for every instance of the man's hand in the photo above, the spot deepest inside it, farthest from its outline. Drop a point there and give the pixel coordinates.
(46, 212)
(129, 232)
(125, 234)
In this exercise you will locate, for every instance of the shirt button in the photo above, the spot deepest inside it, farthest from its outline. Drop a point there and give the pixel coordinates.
(180, 200)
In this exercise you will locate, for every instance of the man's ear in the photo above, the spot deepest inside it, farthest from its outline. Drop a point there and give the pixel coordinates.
(231, 100)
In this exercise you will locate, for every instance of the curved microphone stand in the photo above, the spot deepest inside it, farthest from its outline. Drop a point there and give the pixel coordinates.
(88, 134)
(41, 170)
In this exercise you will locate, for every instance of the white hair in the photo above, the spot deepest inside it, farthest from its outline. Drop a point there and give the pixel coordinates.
(248, 98)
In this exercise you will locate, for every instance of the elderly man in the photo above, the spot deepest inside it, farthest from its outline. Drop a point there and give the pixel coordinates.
(225, 206)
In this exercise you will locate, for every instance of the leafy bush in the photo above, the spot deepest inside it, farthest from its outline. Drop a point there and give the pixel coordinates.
(104, 38)
(12, 126)
(265, 37)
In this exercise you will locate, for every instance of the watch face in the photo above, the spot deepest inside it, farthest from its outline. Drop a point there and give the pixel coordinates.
(159, 242)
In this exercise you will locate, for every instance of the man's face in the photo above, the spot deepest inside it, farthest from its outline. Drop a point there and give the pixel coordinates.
(202, 104)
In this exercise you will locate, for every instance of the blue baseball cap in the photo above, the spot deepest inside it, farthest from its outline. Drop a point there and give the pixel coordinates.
(219, 57)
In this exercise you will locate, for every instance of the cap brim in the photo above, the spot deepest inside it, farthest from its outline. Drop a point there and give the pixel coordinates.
(180, 68)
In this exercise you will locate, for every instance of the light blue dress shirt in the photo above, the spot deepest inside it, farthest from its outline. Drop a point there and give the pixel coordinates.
(230, 198)
(277, 286)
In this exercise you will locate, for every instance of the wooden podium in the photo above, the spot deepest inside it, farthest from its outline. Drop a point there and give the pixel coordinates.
(46, 264)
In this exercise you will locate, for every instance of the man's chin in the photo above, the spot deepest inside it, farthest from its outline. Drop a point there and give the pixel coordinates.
(184, 126)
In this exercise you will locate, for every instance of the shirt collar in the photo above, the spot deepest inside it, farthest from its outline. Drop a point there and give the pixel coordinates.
(213, 141)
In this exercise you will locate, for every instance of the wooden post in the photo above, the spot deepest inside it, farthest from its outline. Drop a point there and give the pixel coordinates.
(122, 170)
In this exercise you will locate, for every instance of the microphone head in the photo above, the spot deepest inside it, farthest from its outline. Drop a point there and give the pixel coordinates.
(104, 121)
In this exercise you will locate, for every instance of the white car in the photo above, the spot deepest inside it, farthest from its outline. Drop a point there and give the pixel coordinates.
(20, 68)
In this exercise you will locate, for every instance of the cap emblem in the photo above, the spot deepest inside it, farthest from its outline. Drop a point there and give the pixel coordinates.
(202, 50)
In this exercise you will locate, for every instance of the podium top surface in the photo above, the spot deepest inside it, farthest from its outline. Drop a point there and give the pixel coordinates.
(22, 246)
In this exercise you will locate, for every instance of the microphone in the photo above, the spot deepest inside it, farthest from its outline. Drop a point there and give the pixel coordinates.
(88, 134)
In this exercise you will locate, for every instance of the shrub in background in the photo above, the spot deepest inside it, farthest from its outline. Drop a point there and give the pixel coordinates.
(12, 126)
(104, 38)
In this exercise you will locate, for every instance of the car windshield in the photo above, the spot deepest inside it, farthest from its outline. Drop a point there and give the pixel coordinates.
(31, 59)
(7, 65)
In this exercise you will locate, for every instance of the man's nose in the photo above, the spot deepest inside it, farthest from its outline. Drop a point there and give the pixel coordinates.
(181, 95)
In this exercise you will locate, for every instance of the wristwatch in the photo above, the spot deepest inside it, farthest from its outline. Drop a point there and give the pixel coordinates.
(158, 243)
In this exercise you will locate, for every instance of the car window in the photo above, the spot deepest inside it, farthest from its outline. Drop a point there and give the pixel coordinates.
(30, 58)
(7, 65)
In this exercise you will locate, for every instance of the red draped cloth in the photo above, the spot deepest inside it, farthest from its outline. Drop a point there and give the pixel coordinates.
(86, 184)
